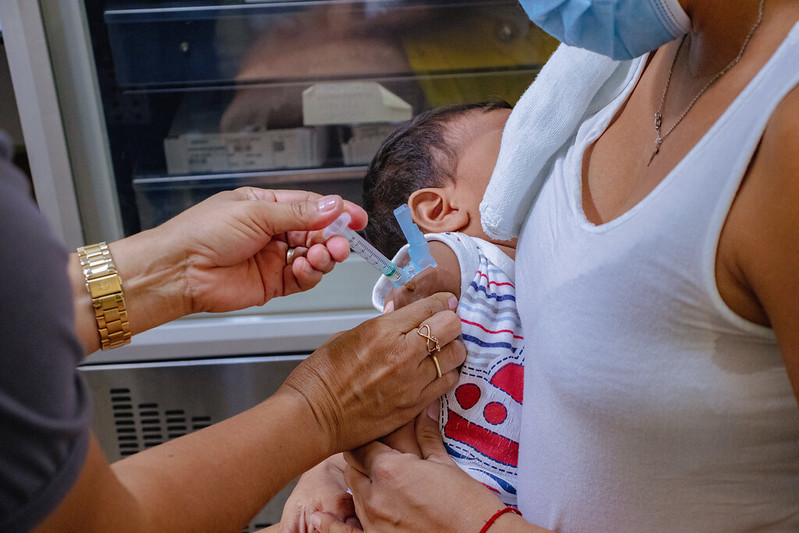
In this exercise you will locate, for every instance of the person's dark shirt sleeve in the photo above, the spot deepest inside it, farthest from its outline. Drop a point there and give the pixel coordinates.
(44, 403)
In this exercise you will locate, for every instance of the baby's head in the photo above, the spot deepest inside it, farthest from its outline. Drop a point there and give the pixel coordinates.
(439, 163)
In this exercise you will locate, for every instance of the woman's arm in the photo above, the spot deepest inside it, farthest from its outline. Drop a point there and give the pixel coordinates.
(226, 253)
(759, 246)
(358, 386)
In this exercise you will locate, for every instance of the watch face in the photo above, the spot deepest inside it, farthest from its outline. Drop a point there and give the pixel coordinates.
(106, 285)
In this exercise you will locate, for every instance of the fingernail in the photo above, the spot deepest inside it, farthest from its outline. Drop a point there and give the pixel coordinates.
(432, 411)
(453, 303)
(327, 203)
(316, 521)
(388, 307)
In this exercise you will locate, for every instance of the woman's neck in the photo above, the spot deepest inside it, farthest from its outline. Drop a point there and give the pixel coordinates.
(718, 31)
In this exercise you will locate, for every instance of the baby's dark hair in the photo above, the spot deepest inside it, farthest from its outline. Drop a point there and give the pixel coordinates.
(417, 155)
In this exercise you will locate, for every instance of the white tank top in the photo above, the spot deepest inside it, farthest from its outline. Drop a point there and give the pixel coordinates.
(648, 404)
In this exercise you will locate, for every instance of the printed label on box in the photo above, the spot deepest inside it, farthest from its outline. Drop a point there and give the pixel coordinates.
(238, 152)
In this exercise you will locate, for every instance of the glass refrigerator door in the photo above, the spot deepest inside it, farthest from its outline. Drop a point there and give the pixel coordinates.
(198, 98)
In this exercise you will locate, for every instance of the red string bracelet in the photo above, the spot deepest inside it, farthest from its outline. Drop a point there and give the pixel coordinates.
(497, 515)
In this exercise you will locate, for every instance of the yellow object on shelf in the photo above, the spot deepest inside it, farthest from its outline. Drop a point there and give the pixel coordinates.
(463, 60)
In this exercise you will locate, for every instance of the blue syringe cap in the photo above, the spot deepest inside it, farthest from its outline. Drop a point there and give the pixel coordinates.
(418, 247)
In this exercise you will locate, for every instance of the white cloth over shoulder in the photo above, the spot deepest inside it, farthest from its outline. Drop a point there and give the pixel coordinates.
(573, 85)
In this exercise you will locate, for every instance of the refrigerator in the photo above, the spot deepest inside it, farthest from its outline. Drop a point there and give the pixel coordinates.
(134, 110)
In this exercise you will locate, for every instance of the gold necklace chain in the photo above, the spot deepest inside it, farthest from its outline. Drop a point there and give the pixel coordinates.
(660, 137)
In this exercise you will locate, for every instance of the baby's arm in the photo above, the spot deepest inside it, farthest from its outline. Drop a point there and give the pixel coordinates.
(446, 277)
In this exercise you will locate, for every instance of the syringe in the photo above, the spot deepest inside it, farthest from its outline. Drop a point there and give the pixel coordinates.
(419, 250)
(361, 246)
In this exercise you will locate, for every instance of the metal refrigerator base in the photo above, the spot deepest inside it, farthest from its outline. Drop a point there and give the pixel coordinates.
(140, 405)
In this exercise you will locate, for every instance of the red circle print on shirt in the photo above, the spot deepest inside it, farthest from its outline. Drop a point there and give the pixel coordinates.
(467, 395)
(495, 413)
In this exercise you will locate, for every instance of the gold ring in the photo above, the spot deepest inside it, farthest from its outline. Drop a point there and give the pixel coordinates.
(290, 255)
(435, 360)
(432, 342)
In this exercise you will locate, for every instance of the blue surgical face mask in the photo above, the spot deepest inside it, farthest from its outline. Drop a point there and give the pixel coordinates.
(621, 29)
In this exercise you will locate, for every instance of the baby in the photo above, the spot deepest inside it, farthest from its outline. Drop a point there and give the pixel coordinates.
(439, 163)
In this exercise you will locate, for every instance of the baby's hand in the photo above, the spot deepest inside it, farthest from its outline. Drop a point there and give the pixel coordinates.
(321, 488)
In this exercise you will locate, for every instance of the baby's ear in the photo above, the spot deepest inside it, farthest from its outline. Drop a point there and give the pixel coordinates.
(433, 211)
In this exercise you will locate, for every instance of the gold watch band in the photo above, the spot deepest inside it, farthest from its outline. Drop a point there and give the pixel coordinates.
(105, 287)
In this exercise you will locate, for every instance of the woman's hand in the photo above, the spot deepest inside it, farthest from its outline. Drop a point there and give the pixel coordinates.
(321, 488)
(367, 381)
(403, 439)
(401, 492)
(234, 245)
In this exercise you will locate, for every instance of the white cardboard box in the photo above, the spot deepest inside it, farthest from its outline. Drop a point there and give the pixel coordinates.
(352, 102)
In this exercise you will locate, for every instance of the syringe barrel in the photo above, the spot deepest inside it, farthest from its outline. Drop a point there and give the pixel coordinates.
(362, 247)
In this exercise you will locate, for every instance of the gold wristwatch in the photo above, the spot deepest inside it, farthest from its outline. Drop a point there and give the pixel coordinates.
(105, 287)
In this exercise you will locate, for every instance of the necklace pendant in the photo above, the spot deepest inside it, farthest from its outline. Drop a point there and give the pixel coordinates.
(658, 142)
(658, 121)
